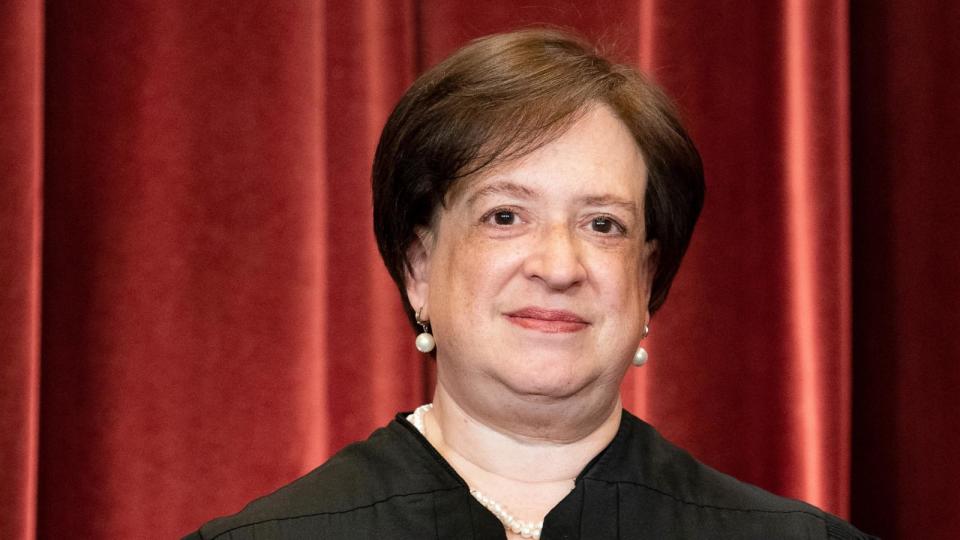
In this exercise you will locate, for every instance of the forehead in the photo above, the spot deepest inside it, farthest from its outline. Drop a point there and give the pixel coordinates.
(595, 156)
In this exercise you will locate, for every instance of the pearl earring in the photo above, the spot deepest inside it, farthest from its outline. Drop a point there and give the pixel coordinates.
(641, 356)
(424, 342)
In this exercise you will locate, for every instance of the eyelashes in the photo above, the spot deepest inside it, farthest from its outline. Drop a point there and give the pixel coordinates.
(502, 217)
(607, 224)
(507, 217)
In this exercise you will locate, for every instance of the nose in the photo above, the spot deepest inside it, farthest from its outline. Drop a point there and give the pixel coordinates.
(556, 259)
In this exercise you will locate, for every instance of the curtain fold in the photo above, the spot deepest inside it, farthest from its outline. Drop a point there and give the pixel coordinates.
(817, 177)
(906, 221)
(371, 61)
(21, 209)
(184, 266)
(194, 311)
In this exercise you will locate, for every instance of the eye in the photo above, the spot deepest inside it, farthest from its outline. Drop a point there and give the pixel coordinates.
(502, 217)
(605, 225)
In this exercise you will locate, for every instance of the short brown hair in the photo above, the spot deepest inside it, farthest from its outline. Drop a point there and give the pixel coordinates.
(505, 95)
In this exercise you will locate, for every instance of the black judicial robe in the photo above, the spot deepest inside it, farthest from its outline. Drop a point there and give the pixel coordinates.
(395, 485)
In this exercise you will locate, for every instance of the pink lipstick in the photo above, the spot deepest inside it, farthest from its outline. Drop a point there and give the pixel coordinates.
(550, 321)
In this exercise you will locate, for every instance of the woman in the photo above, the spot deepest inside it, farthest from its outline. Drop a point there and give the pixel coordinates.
(532, 202)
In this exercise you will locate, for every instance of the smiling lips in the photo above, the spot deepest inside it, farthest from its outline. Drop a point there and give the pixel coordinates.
(550, 321)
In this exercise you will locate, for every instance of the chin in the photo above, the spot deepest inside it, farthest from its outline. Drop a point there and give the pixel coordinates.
(545, 384)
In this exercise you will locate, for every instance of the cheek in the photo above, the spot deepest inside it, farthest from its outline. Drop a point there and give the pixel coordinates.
(476, 270)
(621, 281)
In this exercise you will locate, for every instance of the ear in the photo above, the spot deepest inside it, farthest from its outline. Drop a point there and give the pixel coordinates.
(651, 260)
(417, 278)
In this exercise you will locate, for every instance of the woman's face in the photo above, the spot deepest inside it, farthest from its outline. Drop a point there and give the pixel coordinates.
(536, 275)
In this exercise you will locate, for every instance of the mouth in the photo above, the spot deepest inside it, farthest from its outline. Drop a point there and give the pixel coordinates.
(549, 321)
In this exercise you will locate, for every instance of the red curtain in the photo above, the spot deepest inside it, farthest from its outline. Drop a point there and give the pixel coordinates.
(193, 311)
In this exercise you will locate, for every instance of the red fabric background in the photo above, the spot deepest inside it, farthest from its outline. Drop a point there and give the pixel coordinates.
(193, 311)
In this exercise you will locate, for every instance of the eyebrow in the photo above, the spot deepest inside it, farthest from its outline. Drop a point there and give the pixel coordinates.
(606, 200)
(499, 188)
(523, 192)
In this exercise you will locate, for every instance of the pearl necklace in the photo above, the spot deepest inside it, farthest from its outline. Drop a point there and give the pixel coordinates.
(526, 529)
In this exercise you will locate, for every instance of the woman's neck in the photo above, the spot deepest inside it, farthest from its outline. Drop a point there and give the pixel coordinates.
(528, 475)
